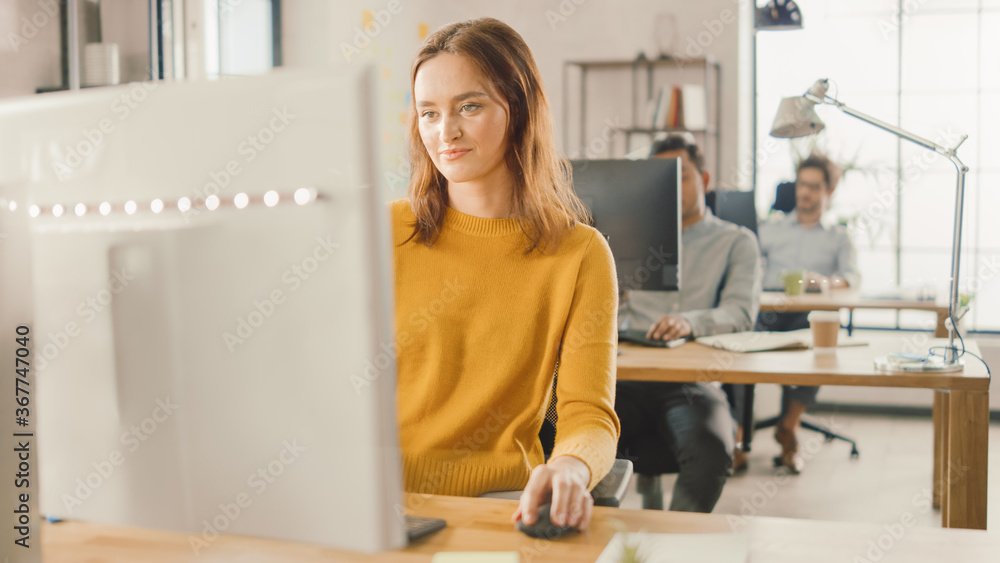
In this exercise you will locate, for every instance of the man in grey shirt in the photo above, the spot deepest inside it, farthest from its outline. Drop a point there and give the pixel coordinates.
(688, 426)
(802, 241)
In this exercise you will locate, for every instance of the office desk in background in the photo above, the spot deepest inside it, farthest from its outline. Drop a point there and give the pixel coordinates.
(961, 407)
(851, 299)
(476, 524)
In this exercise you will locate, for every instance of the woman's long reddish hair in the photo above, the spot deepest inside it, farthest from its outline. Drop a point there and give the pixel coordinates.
(542, 197)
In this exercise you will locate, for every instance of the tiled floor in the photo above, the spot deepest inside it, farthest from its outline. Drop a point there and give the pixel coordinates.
(892, 476)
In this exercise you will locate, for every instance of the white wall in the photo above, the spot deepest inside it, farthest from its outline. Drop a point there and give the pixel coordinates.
(29, 53)
(126, 23)
(556, 30)
(317, 31)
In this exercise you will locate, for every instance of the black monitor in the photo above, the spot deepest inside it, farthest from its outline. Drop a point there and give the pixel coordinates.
(636, 204)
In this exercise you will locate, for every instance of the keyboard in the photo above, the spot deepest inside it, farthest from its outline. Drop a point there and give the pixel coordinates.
(639, 337)
(420, 526)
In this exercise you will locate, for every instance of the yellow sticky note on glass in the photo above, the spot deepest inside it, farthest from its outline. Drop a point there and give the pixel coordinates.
(476, 557)
(422, 31)
(367, 19)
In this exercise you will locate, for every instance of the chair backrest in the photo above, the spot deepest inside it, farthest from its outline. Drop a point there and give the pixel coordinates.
(784, 197)
(548, 432)
(734, 206)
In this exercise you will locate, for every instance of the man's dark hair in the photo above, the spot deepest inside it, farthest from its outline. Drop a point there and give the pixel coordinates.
(831, 172)
(676, 143)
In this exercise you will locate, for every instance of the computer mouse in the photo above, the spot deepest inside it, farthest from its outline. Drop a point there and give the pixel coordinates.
(543, 527)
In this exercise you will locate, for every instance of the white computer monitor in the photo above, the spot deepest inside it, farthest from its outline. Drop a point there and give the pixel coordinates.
(228, 368)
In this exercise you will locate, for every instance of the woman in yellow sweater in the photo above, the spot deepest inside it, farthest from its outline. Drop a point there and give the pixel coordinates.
(497, 280)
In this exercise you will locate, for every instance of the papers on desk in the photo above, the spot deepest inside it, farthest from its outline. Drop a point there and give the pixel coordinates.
(902, 294)
(769, 341)
(672, 548)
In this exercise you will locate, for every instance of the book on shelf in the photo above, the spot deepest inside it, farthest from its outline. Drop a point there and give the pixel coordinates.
(695, 114)
(660, 113)
(675, 117)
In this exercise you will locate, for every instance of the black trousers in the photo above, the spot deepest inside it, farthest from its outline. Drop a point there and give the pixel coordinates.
(682, 427)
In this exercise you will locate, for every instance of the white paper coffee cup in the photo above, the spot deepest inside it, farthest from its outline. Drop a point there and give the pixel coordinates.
(825, 327)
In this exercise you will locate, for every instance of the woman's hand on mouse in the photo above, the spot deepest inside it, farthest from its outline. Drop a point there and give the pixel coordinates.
(564, 480)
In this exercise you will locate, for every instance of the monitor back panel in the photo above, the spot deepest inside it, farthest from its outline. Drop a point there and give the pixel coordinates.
(213, 371)
(636, 205)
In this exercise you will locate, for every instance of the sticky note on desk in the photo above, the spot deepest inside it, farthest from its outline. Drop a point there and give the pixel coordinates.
(476, 557)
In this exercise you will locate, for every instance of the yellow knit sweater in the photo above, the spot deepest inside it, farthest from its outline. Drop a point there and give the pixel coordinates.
(479, 326)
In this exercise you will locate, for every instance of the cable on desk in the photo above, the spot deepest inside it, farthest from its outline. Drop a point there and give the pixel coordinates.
(961, 351)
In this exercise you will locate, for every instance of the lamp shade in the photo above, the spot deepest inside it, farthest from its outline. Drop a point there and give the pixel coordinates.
(778, 15)
(796, 117)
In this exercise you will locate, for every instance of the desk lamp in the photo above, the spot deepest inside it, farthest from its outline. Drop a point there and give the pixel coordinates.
(797, 117)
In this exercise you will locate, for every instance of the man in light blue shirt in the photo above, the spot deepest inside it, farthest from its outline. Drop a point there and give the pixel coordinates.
(687, 427)
(802, 241)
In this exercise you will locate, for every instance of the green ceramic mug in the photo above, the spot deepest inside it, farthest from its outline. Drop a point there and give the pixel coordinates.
(794, 281)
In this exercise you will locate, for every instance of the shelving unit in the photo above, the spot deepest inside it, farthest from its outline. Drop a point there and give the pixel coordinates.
(648, 71)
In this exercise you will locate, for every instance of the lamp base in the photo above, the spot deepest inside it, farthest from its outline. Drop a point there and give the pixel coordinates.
(912, 363)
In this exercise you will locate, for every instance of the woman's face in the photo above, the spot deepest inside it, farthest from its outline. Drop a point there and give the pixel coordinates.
(462, 120)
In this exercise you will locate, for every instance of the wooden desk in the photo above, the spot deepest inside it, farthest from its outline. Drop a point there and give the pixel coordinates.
(850, 299)
(484, 525)
(961, 409)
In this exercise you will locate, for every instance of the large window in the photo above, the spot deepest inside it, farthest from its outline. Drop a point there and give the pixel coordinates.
(239, 37)
(933, 68)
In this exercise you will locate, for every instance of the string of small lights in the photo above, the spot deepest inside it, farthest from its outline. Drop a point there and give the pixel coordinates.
(272, 198)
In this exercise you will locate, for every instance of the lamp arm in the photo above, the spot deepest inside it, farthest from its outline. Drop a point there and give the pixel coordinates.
(954, 313)
(927, 144)
(954, 302)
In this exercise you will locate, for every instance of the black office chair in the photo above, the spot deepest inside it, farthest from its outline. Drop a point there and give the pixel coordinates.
(734, 206)
(806, 422)
(739, 207)
(784, 200)
(648, 468)
(784, 197)
(610, 491)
